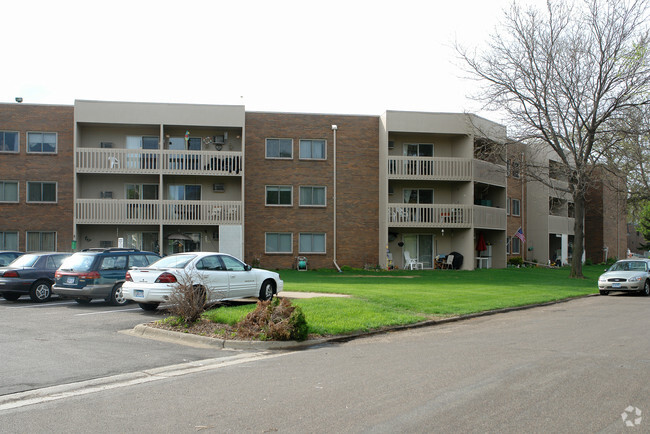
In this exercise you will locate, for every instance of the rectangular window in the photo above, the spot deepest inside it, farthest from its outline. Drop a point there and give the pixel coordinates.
(312, 149)
(41, 192)
(278, 242)
(515, 207)
(508, 206)
(9, 141)
(312, 196)
(312, 243)
(8, 240)
(8, 191)
(279, 148)
(571, 210)
(183, 192)
(515, 246)
(507, 245)
(41, 143)
(41, 241)
(142, 191)
(279, 195)
(418, 149)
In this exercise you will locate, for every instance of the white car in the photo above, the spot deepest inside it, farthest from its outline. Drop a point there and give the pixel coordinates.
(223, 276)
(626, 275)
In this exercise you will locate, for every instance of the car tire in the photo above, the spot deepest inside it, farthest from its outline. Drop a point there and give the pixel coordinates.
(11, 296)
(604, 292)
(267, 290)
(149, 307)
(646, 289)
(83, 300)
(117, 296)
(40, 291)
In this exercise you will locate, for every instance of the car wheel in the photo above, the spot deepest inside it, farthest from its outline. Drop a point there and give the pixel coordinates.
(117, 296)
(266, 292)
(11, 296)
(604, 292)
(40, 291)
(82, 300)
(646, 288)
(149, 307)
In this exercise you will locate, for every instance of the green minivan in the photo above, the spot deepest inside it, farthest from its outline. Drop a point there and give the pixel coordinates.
(98, 273)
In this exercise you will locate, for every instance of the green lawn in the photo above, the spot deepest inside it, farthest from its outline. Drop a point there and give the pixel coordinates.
(404, 297)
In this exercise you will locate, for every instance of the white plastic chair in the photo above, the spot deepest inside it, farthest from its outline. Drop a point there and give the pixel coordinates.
(410, 262)
(449, 262)
(114, 162)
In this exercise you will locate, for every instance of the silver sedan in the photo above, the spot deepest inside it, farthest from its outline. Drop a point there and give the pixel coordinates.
(626, 275)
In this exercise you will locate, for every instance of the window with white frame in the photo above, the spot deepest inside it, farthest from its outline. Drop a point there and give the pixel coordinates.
(279, 195)
(312, 149)
(418, 149)
(516, 207)
(508, 206)
(8, 191)
(41, 192)
(278, 242)
(279, 148)
(312, 243)
(312, 196)
(507, 245)
(144, 191)
(8, 240)
(41, 142)
(41, 241)
(515, 246)
(9, 141)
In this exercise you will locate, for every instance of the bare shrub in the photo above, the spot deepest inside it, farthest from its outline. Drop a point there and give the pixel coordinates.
(188, 299)
(276, 320)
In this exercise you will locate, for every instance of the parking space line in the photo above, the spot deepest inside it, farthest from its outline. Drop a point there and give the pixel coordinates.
(106, 311)
(33, 306)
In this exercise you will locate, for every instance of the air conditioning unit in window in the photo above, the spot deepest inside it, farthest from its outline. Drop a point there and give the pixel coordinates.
(106, 145)
(218, 188)
(106, 195)
(220, 139)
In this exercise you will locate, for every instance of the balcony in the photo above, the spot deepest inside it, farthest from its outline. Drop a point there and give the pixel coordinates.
(430, 216)
(125, 211)
(153, 161)
(561, 225)
(489, 173)
(486, 217)
(430, 168)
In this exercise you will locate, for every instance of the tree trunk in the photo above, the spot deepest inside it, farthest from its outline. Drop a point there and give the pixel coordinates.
(578, 231)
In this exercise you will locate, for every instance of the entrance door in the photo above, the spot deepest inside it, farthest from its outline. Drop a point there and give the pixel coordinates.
(420, 246)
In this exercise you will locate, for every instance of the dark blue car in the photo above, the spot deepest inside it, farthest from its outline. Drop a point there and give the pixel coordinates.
(31, 273)
(7, 257)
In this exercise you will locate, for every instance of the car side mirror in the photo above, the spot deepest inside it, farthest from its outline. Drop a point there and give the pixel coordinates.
(247, 267)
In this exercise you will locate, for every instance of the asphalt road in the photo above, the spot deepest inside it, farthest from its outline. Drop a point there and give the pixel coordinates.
(570, 367)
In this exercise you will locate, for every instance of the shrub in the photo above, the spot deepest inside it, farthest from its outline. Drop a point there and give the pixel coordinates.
(516, 261)
(589, 262)
(275, 320)
(187, 300)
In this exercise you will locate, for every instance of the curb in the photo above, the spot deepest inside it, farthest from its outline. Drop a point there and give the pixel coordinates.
(144, 331)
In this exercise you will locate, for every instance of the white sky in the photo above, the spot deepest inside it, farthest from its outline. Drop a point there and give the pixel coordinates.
(356, 57)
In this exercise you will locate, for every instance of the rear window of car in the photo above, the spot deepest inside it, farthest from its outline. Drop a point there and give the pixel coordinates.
(138, 261)
(78, 262)
(25, 261)
(173, 261)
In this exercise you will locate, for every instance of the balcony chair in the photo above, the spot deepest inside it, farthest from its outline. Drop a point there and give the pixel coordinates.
(410, 262)
(449, 263)
(115, 163)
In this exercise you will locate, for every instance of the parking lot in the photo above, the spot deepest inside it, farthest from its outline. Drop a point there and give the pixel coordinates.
(62, 341)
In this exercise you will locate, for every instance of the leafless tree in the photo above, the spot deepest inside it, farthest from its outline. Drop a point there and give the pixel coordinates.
(564, 76)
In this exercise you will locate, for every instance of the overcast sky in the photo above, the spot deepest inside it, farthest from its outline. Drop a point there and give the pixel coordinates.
(356, 57)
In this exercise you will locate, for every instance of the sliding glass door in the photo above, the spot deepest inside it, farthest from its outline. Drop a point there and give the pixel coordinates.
(420, 246)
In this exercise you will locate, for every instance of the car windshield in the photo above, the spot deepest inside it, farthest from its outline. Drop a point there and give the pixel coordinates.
(173, 261)
(628, 266)
(25, 261)
(78, 262)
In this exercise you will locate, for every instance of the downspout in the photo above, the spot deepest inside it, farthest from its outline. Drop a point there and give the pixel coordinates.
(334, 128)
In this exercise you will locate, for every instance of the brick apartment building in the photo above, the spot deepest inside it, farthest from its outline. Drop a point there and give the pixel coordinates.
(36, 177)
(271, 187)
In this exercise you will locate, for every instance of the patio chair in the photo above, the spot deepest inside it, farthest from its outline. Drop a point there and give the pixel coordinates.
(410, 262)
(449, 262)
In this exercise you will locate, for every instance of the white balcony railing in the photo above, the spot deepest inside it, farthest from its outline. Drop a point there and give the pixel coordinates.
(445, 169)
(430, 216)
(98, 160)
(486, 217)
(125, 211)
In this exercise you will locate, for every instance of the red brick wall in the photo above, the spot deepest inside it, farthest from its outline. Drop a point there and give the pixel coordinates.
(23, 167)
(357, 188)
